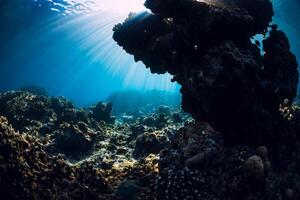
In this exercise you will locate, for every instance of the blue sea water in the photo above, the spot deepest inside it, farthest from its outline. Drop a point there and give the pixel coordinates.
(67, 48)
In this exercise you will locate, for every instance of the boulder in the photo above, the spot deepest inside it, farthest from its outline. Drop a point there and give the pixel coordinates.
(72, 139)
(102, 112)
(148, 143)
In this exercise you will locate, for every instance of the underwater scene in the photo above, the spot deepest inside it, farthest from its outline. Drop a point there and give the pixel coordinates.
(149, 100)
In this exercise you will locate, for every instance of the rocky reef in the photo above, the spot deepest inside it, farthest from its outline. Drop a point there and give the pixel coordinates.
(62, 152)
(49, 149)
(197, 165)
(28, 172)
(228, 80)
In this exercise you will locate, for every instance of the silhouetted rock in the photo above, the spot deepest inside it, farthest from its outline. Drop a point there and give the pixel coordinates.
(254, 167)
(176, 117)
(102, 112)
(60, 104)
(137, 129)
(225, 79)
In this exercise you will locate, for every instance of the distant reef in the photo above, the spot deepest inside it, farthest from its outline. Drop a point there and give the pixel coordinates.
(132, 101)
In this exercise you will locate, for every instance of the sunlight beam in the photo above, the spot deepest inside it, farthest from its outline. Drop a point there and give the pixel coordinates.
(117, 6)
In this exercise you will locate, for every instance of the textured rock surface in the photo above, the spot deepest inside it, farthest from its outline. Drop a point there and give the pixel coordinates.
(225, 79)
(59, 157)
(198, 166)
(28, 172)
(62, 152)
(74, 138)
(102, 112)
(148, 143)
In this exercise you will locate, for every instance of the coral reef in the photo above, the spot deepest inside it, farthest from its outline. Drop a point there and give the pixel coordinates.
(225, 79)
(24, 108)
(74, 156)
(58, 151)
(28, 172)
(74, 138)
(148, 143)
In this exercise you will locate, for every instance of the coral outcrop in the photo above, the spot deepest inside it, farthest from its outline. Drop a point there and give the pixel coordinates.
(102, 112)
(150, 143)
(74, 138)
(226, 79)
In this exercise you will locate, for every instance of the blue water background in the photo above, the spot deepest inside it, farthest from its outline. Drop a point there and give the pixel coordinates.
(68, 49)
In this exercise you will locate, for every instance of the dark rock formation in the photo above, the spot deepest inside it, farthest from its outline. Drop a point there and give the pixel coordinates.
(176, 117)
(137, 129)
(74, 115)
(74, 138)
(148, 143)
(127, 190)
(156, 120)
(102, 112)
(198, 166)
(225, 79)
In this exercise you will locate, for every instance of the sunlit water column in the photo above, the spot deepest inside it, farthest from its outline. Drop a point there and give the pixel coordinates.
(73, 54)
